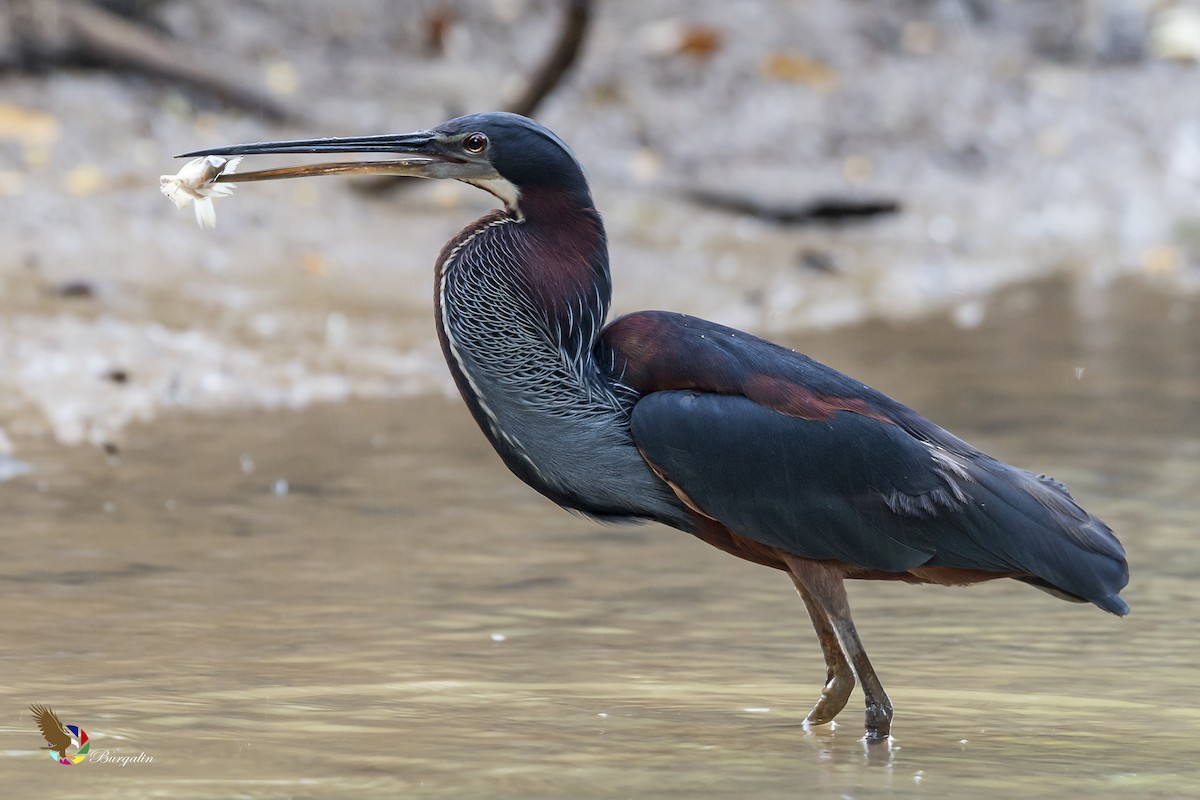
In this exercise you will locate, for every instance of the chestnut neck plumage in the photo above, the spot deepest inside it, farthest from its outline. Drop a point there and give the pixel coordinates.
(521, 299)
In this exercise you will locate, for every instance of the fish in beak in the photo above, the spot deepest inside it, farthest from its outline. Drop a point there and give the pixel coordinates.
(452, 155)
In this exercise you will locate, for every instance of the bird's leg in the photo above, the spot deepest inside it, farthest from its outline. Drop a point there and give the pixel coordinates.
(825, 584)
(839, 681)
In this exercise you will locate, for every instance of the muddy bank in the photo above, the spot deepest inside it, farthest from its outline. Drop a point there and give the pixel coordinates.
(1013, 153)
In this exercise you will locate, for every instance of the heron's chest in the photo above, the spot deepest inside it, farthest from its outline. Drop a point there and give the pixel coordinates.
(536, 401)
(534, 388)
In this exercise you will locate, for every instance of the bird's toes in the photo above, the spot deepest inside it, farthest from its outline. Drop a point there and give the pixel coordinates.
(879, 720)
(833, 698)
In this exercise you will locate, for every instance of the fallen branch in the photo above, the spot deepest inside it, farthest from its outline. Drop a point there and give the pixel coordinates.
(52, 32)
(814, 211)
(562, 56)
(558, 61)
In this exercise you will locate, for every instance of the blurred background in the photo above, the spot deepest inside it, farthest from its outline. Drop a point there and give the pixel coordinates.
(240, 498)
(778, 166)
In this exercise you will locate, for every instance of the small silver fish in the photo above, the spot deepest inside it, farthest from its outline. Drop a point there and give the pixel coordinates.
(194, 183)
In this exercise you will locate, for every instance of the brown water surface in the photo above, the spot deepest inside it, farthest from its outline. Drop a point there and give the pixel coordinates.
(359, 600)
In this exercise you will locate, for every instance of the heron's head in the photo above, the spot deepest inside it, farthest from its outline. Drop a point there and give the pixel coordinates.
(508, 155)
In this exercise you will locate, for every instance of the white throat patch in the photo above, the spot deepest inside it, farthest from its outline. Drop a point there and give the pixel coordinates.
(504, 189)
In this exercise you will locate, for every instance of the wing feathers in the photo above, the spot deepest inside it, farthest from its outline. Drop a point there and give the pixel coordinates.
(854, 489)
(786, 451)
(775, 479)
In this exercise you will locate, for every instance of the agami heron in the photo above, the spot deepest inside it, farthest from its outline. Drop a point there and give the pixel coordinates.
(749, 446)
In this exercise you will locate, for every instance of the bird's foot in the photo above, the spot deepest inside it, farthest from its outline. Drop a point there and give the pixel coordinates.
(833, 697)
(879, 720)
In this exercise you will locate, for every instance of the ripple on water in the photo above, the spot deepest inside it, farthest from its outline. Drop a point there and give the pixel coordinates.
(339, 639)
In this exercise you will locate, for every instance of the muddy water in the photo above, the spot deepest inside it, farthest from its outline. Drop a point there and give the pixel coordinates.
(359, 599)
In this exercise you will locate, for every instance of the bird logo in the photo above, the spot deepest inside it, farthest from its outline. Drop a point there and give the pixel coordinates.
(60, 738)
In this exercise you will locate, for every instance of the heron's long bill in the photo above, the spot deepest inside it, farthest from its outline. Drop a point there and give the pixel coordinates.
(416, 157)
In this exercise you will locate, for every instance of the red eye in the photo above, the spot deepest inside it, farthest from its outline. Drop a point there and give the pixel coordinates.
(475, 143)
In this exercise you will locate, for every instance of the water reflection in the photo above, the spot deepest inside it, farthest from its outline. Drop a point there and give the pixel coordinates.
(408, 620)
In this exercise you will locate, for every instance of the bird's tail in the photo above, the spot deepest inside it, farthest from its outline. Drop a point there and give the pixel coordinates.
(1067, 551)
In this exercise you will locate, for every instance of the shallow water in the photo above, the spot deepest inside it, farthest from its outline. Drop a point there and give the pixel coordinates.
(359, 599)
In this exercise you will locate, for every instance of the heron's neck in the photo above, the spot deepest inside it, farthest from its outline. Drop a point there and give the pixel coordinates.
(566, 259)
(520, 305)
(549, 266)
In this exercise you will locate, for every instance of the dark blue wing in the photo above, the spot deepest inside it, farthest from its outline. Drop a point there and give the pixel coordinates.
(790, 453)
(858, 490)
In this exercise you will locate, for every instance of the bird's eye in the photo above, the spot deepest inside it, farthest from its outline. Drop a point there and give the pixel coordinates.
(475, 143)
